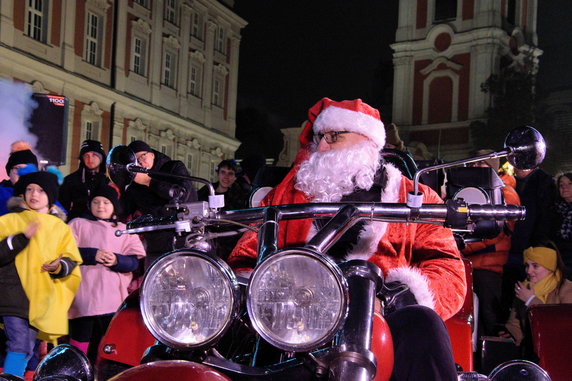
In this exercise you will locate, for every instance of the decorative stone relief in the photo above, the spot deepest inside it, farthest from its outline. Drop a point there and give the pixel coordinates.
(99, 4)
(93, 108)
(198, 56)
(193, 143)
(171, 41)
(216, 152)
(167, 134)
(137, 124)
(221, 69)
(141, 26)
(38, 87)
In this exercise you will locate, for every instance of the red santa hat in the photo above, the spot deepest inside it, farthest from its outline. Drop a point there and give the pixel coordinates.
(351, 115)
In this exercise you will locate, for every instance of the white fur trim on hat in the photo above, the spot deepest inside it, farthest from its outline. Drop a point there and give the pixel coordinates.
(340, 119)
(417, 282)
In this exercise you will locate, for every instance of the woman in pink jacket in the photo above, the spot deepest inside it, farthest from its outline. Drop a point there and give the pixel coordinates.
(108, 263)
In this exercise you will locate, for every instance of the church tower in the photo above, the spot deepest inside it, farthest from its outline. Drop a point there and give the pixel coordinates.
(444, 51)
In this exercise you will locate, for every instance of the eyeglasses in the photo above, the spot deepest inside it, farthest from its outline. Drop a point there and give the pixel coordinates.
(330, 136)
(142, 157)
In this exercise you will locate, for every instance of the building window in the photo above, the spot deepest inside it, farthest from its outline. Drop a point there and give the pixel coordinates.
(143, 3)
(445, 10)
(217, 92)
(139, 55)
(171, 11)
(169, 69)
(90, 130)
(93, 38)
(197, 26)
(195, 77)
(219, 40)
(164, 149)
(36, 24)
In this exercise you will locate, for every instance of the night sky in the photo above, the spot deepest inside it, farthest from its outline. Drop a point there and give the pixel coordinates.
(295, 52)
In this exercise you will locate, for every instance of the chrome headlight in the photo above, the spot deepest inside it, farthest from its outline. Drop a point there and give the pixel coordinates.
(297, 299)
(188, 299)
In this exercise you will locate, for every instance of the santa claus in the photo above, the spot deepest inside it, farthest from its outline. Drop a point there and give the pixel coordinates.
(339, 160)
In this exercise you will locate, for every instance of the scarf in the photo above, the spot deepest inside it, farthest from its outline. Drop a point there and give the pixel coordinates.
(547, 258)
(564, 209)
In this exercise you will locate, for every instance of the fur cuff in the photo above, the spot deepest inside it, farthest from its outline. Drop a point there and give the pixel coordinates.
(417, 282)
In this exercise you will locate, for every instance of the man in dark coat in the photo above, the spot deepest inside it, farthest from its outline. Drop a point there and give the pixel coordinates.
(149, 195)
(77, 186)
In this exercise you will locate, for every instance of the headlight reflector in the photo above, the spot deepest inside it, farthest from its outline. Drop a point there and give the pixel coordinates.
(188, 299)
(297, 299)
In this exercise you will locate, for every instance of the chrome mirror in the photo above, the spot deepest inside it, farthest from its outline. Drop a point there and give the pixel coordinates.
(526, 147)
(118, 160)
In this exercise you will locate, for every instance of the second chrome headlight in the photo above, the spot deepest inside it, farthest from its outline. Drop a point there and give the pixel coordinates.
(188, 299)
(297, 299)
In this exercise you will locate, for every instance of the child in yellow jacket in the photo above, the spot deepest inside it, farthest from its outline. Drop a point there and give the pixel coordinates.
(38, 270)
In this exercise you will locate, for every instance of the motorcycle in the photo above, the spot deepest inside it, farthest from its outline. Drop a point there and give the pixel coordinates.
(298, 314)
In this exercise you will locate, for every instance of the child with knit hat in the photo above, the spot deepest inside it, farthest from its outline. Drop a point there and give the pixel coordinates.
(108, 263)
(38, 270)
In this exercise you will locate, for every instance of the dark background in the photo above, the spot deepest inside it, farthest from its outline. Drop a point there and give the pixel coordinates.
(293, 53)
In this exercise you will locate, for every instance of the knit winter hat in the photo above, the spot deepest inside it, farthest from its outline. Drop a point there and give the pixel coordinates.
(139, 146)
(46, 180)
(109, 193)
(21, 157)
(91, 146)
(352, 115)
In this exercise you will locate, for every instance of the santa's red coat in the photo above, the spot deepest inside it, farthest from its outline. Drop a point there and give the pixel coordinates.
(424, 256)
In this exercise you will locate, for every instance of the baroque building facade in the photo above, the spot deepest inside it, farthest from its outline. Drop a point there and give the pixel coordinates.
(445, 50)
(163, 71)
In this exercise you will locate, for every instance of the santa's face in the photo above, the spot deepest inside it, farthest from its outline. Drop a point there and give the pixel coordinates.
(330, 174)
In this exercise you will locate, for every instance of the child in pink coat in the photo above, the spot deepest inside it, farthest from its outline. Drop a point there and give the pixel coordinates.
(108, 263)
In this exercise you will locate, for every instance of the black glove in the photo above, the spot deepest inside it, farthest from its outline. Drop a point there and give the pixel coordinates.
(394, 296)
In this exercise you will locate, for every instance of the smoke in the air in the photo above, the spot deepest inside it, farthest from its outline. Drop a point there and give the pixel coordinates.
(16, 106)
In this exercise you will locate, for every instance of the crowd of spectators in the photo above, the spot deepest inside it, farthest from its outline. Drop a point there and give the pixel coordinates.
(82, 245)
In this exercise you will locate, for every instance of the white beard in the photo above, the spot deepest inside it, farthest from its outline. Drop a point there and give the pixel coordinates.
(330, 175)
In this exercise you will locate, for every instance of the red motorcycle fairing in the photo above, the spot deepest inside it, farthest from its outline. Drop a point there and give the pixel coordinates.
(126, 338)
(382, 347)
(179, 370)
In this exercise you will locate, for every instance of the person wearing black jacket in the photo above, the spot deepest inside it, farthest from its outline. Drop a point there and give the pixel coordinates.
(77, 186)
(147, 195)
(537, 191)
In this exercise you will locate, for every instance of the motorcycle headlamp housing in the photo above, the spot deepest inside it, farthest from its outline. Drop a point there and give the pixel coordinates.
(297, 300)
(188, 299)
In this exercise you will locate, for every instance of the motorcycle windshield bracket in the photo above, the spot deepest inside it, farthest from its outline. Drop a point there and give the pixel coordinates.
(334, 229)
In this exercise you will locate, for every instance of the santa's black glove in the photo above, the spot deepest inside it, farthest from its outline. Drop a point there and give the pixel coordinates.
(394, 296)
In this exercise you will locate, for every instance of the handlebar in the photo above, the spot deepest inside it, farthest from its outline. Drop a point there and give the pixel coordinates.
(453, 213)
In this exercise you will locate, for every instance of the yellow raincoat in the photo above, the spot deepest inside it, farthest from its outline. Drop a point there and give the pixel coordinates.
(49, 299)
